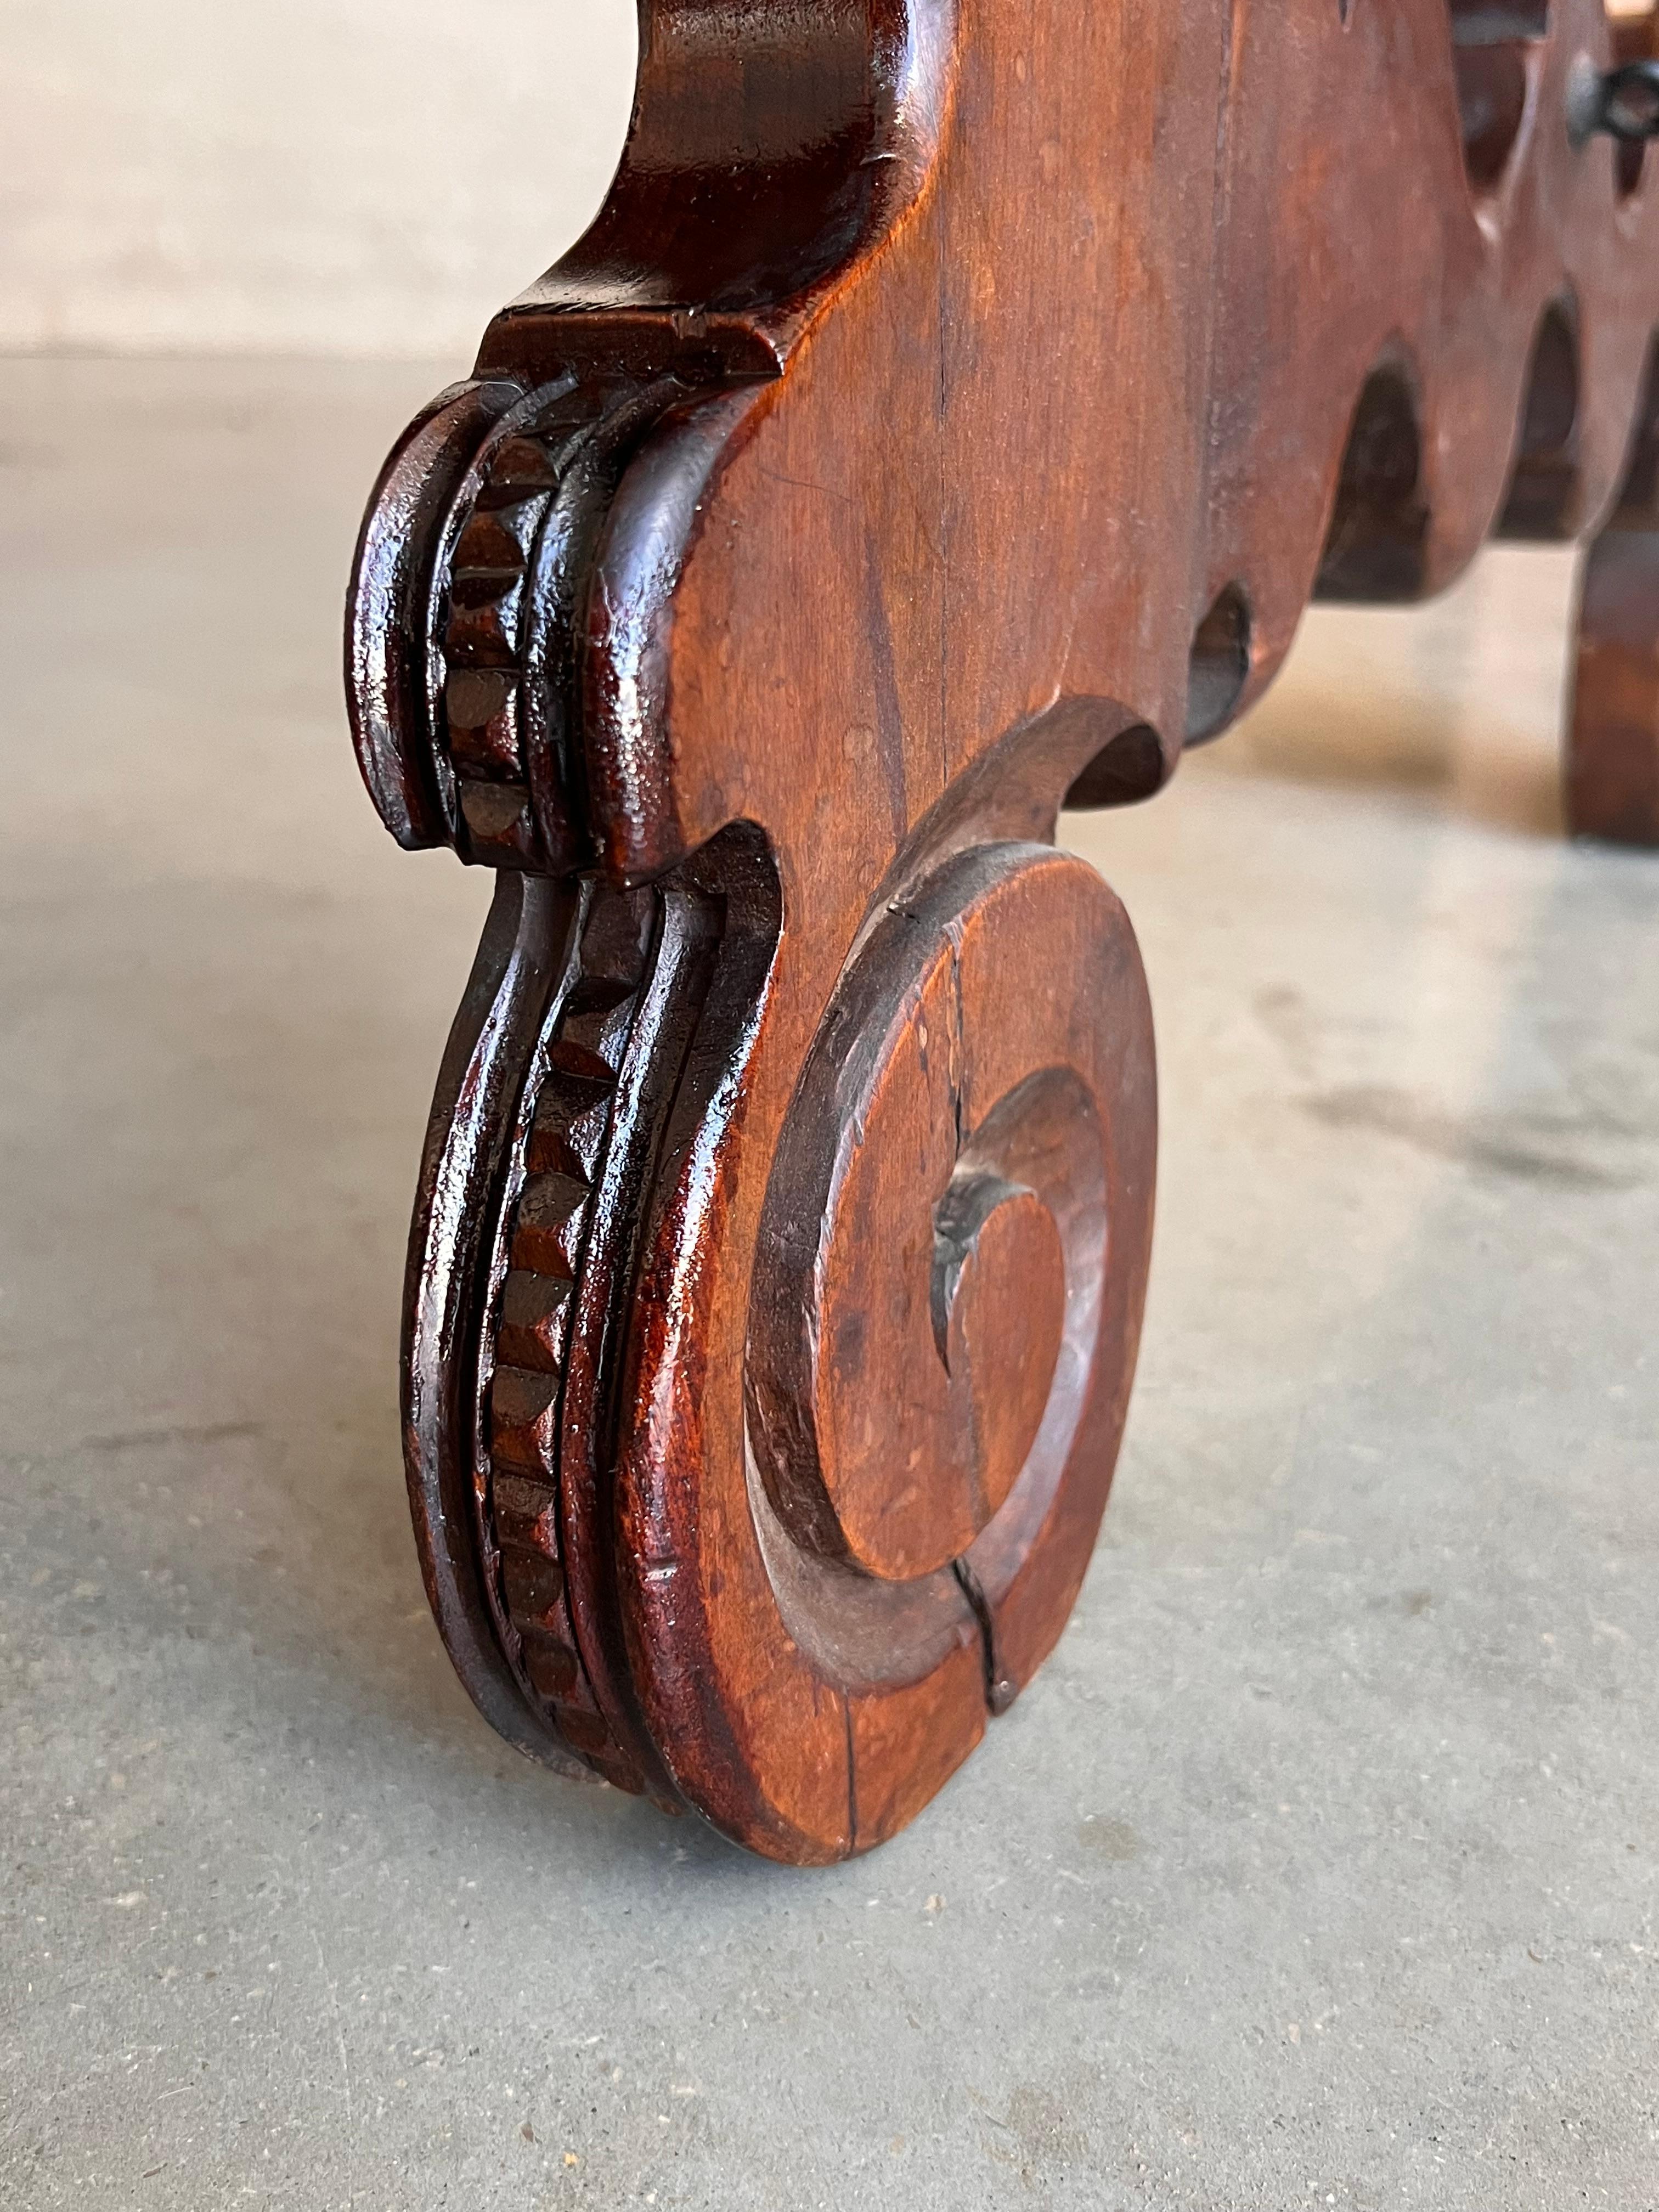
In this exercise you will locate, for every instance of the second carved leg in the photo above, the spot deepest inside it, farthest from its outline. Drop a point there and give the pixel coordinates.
(1613, 743)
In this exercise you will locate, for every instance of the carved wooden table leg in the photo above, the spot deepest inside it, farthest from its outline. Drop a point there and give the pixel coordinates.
(946, 414)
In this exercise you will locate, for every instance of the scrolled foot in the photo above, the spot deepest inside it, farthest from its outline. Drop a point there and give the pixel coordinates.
(782, 1572)
(944, 1311)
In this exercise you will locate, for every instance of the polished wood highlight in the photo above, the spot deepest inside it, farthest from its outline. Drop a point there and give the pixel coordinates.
(951, 413)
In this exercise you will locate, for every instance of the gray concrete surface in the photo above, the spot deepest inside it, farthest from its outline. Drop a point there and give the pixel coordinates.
(1319, 1869)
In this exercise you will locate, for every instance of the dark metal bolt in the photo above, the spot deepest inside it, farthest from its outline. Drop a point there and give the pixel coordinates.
(1627, 103)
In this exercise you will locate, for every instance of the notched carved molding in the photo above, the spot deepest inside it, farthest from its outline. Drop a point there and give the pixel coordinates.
(580, 1045)
(466, 640)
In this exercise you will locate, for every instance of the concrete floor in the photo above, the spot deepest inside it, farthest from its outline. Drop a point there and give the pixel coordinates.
(1319, 1867)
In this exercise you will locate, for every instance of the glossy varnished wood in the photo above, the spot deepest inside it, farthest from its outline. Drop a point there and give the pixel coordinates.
(954, 408)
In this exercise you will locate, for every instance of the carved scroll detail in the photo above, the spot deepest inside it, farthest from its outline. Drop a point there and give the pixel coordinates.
(595, 1019)
(467, 613)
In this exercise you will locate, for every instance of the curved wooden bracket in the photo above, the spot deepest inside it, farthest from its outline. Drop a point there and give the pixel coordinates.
(951, 410)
